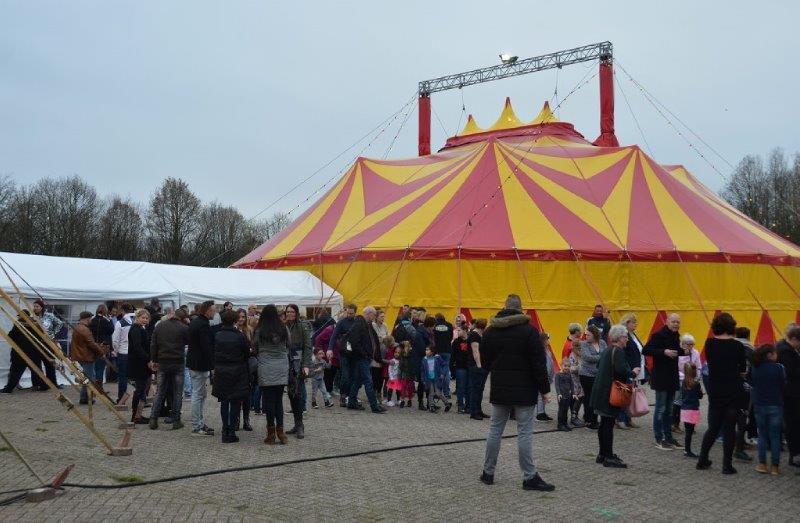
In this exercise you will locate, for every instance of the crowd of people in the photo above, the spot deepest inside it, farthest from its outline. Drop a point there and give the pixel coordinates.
(251, 358)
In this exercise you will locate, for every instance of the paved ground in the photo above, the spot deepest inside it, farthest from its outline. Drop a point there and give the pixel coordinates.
(433, 483)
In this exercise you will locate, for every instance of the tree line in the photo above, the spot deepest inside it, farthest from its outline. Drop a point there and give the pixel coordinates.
(66, 217)
(768, 191)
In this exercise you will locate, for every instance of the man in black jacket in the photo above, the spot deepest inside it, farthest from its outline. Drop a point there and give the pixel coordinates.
(664, 347)
(340, 332)
(166, 359)
(364, 342)
(513, 350)
(18, 364)
(789, 356)
(200, 361)
(442, 340)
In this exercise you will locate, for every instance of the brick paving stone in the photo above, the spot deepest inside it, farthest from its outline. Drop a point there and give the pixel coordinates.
(432, 483)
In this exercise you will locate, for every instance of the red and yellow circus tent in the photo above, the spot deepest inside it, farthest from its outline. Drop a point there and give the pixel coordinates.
(535, 209)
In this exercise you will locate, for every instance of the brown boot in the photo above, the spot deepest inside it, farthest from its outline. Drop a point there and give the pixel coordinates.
(281, 435)
(270, 439)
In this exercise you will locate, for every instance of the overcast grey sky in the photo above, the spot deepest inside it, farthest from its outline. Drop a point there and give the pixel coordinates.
(242, 99)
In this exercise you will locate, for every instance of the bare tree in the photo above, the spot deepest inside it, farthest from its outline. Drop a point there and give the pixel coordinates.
(8, 193)
(120, 233)
(172, 222)
(769, 195)
(221, 236)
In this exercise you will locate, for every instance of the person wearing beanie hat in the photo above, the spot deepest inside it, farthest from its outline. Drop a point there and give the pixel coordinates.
(85, 350)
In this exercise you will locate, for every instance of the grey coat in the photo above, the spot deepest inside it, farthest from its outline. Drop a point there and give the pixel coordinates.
(273, 361)
(589, 358)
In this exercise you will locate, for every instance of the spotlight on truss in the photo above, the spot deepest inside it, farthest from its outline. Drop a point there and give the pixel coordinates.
(508, 59)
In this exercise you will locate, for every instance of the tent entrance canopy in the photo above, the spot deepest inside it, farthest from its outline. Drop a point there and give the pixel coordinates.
(60, 279)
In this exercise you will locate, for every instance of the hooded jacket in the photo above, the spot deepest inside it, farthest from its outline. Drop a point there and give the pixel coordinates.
(512, 348)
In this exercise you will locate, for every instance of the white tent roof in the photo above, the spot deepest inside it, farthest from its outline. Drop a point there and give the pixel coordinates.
(83, 279)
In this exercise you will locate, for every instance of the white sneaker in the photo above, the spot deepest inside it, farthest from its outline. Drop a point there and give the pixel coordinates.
(390, 404)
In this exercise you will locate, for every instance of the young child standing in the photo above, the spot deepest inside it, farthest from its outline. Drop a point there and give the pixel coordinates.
(434, 373)
(319, 362)
(394, 383)
(691, 393)
(406, 375)
(768, 379)
(575, 364)
(566, 394)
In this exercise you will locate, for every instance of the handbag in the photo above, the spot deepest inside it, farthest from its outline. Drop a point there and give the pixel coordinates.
(620, 395)
(639, 406)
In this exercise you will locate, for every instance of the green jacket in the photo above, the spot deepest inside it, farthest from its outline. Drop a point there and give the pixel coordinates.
(602, 383)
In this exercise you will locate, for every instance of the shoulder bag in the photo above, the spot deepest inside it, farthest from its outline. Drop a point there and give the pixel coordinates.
(621, 392)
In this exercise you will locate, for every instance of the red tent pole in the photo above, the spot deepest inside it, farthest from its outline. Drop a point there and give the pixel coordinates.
(607, 137)
(424, 125)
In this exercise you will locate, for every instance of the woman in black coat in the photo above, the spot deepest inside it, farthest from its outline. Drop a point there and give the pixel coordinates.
(138, 358)
(231, 374)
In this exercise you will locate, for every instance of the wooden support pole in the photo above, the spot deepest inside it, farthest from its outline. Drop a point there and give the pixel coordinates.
(21, 458)
(49, 348)
(59, 396)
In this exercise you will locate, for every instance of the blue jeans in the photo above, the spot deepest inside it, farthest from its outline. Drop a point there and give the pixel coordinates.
(88, 371)
(360, 376)
(344, 377)
(122, 375)
(662, 415)
(187, 378)
(770, 423)
(199, 383)
(169, 373)
(255, 397)
(477, 381)
(99, 369)
(447, 376)
(462, 388)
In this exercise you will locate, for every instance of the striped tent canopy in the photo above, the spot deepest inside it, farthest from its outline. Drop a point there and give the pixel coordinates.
(535, 190)
(533, 208)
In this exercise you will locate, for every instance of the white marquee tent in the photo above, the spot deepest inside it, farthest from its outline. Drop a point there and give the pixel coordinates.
(79, 284)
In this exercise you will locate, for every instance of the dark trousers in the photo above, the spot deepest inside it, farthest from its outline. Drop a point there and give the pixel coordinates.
(721, 417)
(587, 382)
(687, 436)
(49, 369)
(791, 417)
(18, 367)
(477, 380)
(462, 388)
(360, 376)
(170, 384)
(327, 376)
(229, 411)
(344, 377)
(564, 405)
(272, 403)
(741, 423)
(298, 402)
(605, 435)
(140, 393)
(377, 379)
